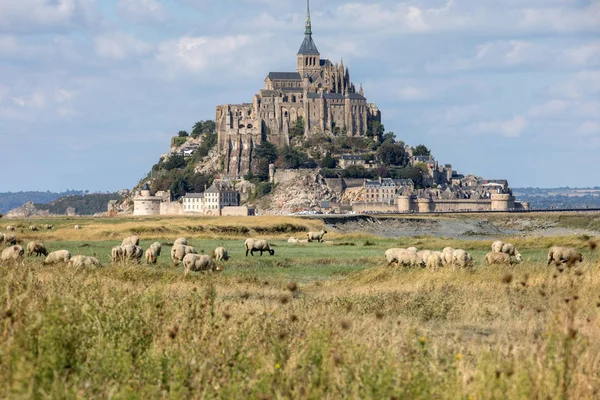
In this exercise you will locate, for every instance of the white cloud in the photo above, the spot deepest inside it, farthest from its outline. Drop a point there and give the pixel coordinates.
(551, 108)
(460, 114)
(37, 99)
(41, 15)
(412, 93)
(510, 128)
(584, 55)
(583, 84)
(199, 53)
(142, 10)
(119, 46)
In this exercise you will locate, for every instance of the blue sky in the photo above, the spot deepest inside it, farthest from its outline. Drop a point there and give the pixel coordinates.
(92, 90)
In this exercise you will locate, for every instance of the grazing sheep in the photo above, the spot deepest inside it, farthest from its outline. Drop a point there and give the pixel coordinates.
(77, 227)
(564, 255)
(199, 262)
(447, 255)
(10, 228)
(132, 252)
(36, 248)
(10, 239)
(84, 261)
(497, 246)
(1, 237)
(221, 254)
(133, 240)
(253, 245)
(293, 240)
(434, 261)
(424, 255)
(496, 257)
(151, 256)
(414, 249)
(117, 254)
(403, 257)
(302, 240)
(157, 248)
(178, 253)
(33, 228)
(462, 259)
(48, 226)
(316, 236)
(180, 241)
(12, 253)
(58, 256)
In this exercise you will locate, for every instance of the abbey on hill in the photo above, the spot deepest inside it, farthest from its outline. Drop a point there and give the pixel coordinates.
(319, 92)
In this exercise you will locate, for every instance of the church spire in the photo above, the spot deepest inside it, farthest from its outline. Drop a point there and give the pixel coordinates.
(308, 25)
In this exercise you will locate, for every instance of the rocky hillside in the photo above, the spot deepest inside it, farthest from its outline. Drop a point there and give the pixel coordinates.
(11, 200)
(306, 190)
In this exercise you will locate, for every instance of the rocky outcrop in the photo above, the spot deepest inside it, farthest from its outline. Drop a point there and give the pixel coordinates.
(25, 211)
(305, 189)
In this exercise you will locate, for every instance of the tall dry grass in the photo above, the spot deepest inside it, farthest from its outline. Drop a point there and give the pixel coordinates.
(525, 331)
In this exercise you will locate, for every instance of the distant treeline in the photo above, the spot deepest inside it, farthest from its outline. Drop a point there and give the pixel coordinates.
(11, 200)
(549, 199)
(88, 204)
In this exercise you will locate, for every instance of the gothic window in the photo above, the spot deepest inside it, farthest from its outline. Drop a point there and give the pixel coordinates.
(242, 126)
(249, 126)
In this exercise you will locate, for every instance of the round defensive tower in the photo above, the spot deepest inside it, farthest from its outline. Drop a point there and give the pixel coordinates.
(403, 203)
(502, 202)
(424, 204)
(145, 203)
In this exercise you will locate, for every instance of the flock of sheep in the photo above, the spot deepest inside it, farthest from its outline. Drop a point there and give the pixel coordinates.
(182, 253)
(502, 253)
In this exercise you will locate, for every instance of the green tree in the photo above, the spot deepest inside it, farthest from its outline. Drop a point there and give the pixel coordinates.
(197, 130)
(389, 137)
(175, 161)
(328, 161)
(408, 173)
(392, 154)
(267, 151)
(298, 128)
(421, 150)
(209, 126)
(375, 129)
(291, 158)
(182, 134)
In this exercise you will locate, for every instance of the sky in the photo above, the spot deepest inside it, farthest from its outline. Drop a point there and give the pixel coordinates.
(91, 91)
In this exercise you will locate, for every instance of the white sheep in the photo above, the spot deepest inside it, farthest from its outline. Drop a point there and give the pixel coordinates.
(447, 255)
(58, 256)
(151, 256)
(199, 262)
(157, 248)
(132, 252)
(178, 252)
(133, 240)
(497, 246)
(48, 226)
(10, 228)
(496, 257)
(33, 228)
(403, 257)
(434, 261)
(117, 254)
(564, 255)
(316, 236)
(253, 245)
(221, 254)
(424, 255)
(414, 249)
(462, 259)
(36, 248)
(10, 239)
(293, 239)
(181, 241)
(84, 261)
(12, 253)
(77, 227)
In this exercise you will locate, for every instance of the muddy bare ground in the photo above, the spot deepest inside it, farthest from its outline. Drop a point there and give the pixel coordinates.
(470, 226)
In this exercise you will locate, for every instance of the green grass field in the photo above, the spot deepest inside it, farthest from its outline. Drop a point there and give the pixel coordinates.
(315, 321)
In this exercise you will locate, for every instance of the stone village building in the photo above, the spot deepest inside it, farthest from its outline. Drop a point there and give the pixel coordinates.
(319, 91)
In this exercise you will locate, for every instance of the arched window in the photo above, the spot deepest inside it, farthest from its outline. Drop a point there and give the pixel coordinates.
(242, 126)
(249, 126)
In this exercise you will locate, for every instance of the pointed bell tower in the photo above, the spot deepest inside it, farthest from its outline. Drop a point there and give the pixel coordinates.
(309, 59)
